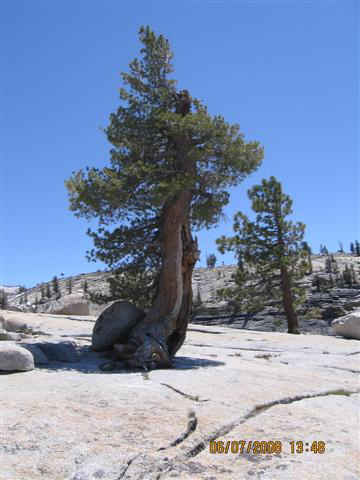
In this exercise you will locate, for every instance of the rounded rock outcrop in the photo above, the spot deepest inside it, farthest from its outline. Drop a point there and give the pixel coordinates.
(348, 326)
(114, 325)
(14, 358)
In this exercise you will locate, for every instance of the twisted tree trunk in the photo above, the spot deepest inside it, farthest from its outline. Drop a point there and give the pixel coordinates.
(155, 340)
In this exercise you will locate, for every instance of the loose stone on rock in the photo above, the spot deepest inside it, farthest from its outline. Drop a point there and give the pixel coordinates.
(14, 358)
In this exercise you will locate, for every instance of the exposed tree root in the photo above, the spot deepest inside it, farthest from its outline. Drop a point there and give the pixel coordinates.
(195, 398)
(191, 427)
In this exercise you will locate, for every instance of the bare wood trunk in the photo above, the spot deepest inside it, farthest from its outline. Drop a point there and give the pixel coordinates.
(190, 257)
(290, 313)
(162, 332)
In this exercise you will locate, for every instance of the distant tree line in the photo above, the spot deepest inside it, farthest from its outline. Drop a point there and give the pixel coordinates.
(354, 248)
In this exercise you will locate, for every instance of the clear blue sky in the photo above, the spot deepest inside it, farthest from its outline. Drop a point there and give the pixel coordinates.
(285, 70)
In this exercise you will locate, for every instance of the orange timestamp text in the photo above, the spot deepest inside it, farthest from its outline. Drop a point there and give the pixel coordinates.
(258, 447)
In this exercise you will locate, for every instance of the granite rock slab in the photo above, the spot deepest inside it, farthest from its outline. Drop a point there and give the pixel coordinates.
(73, 421)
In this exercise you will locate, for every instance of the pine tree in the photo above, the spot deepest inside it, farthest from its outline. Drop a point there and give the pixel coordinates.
(352, 248)
(42, 292)
(3, 300)
(55, 285)
(347, 276)
(69, 285)
(357, 248)
(170, 171)
(306, 247)
(323, 250)
(211, 260)
(270, 247)
(48, 291)
(85, 287)
(328, 265)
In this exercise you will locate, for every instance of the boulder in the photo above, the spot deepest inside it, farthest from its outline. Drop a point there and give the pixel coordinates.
(348, 326)
(114, 324)
(16, 325)
(73, 304)
(14, 358)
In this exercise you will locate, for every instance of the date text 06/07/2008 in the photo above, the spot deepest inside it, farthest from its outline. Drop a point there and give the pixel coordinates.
(257, 447)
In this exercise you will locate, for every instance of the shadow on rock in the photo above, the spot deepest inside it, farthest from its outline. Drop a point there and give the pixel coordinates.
(96, 362)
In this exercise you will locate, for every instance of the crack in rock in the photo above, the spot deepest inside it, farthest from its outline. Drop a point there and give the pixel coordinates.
(126, 466)
(195, 398)
(214, 332)
(235, 348)
(257, 410)
(191, 427)
(342, 368)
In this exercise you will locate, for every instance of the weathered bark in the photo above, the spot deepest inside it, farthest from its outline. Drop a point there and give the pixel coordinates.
(287, 299)
(290, 313)
(155, 340)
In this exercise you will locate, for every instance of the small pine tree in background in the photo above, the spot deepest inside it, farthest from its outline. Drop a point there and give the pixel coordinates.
(69, 285)
(85, 287)
(22, 289)
(42, 292)
(273, 260)
(55, 286)
(48, 291)
(323, 250)
(328, 265)
(211, 260)
(347, 276)
(306, 247)
(3, 300)
(357, 248)
(352, 248)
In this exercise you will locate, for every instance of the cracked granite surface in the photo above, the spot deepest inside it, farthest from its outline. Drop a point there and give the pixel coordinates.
(72, 421)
